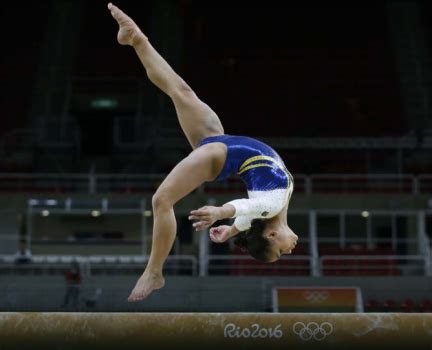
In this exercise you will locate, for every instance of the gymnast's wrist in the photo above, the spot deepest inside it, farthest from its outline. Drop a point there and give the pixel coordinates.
(234, 230)
(227, 211)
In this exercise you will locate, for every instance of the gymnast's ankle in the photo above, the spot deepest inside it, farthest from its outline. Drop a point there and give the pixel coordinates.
(153, 272)
(139, 40)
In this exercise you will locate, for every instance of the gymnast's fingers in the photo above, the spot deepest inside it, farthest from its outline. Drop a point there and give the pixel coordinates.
(201, 225)
(218, 235)
(200, 212)
(214, 238)
(203, 219)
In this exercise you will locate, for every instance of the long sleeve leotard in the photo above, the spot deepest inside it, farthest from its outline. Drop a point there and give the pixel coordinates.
(269, 184)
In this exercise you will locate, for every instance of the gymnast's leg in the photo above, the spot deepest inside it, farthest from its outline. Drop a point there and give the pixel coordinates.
(187, 175)
(203, 164)
(196, 118)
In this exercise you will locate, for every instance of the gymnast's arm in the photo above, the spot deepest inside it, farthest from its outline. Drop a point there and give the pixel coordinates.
(244, 210)
(208, 215)
(261, 207)
(265, 206)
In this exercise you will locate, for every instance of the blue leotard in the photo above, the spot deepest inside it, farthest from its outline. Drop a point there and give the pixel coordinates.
(257, 164)
(268, 182)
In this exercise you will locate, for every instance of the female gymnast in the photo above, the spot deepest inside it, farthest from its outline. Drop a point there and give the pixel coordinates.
(261, 219)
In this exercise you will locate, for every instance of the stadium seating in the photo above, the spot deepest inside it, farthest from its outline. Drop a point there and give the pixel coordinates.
(404, 305)
(357, 266)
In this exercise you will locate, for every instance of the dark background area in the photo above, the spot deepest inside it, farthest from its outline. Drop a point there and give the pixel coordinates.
(269, 69)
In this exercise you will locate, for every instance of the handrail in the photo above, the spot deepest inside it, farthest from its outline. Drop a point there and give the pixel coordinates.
(315, 183)
(126, 260)
(372, 257)
(45, 175)
(401, 142)
(95, 259)
(258, 264)
(247, 257)
(356, 258)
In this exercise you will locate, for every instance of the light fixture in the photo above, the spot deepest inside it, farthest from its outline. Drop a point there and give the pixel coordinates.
(95, 213)
(104, 103)
(365, 213)
(45, 212)
(147, 213)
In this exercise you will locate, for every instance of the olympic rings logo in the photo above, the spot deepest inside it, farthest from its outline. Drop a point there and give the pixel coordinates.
(313, 330)
(316, 296)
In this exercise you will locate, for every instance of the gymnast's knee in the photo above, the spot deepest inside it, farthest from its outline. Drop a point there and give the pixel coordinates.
(162, 201)
(181, 91)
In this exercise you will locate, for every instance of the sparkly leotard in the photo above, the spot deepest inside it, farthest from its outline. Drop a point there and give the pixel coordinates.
(269, 184)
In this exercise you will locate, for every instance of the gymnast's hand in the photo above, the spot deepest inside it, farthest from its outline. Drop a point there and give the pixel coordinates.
(205, 216)
(222, 233)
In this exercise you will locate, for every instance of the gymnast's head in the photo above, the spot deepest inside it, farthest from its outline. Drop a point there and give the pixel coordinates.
(265, 242)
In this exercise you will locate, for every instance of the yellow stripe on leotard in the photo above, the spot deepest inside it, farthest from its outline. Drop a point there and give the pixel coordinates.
(255, 158)
(244, 167)
(254, 166)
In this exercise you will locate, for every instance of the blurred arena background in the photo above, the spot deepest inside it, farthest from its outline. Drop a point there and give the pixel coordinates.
(342, 90)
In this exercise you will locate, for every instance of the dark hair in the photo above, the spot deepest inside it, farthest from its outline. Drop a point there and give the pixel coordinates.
(254, 241)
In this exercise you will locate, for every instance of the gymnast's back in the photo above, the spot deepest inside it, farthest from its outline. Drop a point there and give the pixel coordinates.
(259, 165)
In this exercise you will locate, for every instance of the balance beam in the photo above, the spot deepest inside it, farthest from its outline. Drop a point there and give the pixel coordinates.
(222, 331)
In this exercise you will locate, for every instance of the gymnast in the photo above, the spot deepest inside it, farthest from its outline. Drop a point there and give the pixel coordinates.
(260, 222)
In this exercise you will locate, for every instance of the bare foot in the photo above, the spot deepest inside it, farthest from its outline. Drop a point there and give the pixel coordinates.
(129, 33)
(145, 285)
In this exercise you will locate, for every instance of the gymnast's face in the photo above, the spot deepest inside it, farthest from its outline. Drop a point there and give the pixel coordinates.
(282, 241)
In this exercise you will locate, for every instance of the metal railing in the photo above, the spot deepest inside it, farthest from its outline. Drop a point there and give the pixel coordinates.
(373, 265)
(332, 143)
(329, 265)
(96, 263)
(352, 183)
(241, 264)
(46, 183)
(315, 183)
